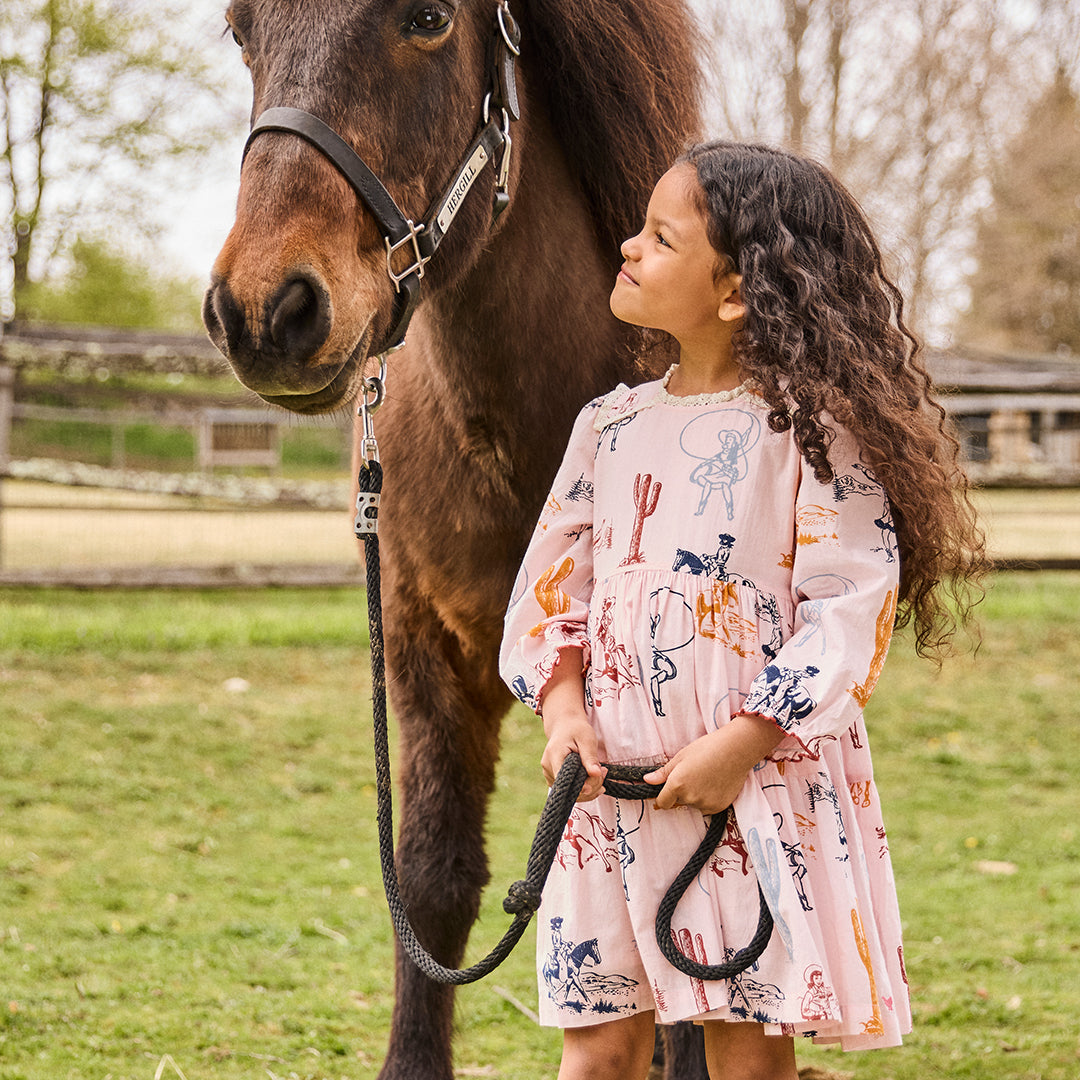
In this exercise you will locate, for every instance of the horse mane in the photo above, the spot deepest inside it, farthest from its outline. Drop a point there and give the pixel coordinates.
(621, 81)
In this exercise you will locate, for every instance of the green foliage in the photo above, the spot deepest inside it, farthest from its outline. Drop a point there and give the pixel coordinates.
(103, 288)
(188, 865)
(102, 103)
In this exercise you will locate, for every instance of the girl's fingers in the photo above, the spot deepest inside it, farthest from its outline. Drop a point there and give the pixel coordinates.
(659, 775)
(594, 784)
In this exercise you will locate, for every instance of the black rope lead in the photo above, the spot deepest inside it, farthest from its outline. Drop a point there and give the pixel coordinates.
(523, 898)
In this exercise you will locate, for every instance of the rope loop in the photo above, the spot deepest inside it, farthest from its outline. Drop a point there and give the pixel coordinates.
(523, 898)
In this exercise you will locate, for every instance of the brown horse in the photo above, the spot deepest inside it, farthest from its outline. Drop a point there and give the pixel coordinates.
(512, 337)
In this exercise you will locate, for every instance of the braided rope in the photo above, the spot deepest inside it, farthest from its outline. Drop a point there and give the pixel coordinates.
(523, 898)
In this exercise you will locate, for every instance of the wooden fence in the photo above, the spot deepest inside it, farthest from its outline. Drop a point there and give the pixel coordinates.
(224, 439)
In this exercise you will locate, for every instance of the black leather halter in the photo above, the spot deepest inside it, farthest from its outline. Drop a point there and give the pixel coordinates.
(418, 242)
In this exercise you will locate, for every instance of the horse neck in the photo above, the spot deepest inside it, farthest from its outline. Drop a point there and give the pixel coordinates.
(528, 333)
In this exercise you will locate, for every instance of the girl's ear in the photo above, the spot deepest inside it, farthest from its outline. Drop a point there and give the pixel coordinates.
(731, 307)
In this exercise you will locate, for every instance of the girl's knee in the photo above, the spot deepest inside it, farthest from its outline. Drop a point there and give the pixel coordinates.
(618, 1050)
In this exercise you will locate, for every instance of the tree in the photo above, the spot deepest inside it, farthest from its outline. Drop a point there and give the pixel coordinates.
(1025, 292)
(101, 287)
(99, 101)
(907, 102)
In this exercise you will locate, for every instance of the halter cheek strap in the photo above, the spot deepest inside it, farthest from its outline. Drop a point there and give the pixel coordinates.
(418, 242)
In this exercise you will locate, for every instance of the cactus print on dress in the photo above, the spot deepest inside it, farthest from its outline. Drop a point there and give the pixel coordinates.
(702, 570)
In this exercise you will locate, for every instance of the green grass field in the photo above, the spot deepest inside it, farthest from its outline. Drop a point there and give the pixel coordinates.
(188, 868)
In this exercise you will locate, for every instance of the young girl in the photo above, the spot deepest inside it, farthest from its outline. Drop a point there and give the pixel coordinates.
(711, 590)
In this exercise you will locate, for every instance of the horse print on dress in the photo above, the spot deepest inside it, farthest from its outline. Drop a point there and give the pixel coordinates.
(749, 999)
(848, 485)
(822, 791)
(706, 565)
(766, 608)
(612, 669)
(783, 691)
(569, 987)
(586, 838)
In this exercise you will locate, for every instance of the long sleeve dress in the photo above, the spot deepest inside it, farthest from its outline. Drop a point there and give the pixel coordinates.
(702, 571)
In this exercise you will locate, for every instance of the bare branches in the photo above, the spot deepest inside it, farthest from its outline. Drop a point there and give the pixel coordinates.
(911, 103)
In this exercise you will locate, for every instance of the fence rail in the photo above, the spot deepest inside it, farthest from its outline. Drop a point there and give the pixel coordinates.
(90, 526)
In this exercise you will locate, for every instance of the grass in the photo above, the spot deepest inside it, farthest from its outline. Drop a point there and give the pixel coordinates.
(188, 867)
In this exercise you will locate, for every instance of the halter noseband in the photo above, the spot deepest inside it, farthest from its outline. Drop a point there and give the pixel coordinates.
(400, 233)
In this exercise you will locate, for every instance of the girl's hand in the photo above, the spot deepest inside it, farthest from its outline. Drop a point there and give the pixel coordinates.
(567, 726)
(578, 736)
(710, 772)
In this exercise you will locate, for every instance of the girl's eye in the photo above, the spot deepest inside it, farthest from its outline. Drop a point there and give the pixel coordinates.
(660, 240)
(429, 19)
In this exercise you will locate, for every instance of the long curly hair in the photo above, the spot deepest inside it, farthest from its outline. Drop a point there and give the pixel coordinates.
(824, 337)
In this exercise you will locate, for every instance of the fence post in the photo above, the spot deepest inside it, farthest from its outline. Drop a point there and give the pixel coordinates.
(7, 409)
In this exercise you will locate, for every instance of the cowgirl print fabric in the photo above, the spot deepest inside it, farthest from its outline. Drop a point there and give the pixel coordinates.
(702, 571)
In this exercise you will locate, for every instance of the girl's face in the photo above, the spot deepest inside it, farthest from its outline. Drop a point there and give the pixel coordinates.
(667, 279)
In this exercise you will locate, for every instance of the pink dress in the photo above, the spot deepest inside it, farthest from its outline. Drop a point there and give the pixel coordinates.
(690, 554)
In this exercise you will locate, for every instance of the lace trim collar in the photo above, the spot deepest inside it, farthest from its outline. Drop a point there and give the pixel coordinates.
(624, 401)
(746, 389)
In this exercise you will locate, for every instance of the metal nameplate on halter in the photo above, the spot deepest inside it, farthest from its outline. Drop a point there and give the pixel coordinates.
(366, 522)
(466, 179)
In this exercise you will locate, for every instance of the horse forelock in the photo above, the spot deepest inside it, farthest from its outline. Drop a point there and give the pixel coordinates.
(621, 79)
(344, 61)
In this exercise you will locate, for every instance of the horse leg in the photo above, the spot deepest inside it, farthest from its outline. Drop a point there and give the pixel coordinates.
(684, 1052)
(448, 748)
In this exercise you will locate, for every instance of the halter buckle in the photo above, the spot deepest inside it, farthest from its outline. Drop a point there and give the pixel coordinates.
(419, 260)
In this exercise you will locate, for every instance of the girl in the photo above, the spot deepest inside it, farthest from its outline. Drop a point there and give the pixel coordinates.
(711, 590)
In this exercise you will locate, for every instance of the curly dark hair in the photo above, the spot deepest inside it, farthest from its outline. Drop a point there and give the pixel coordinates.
(824, 337)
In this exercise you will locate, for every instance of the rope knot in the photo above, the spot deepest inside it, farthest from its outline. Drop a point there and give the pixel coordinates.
(522, 898)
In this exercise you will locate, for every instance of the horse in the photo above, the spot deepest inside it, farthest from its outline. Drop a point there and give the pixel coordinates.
(562, 971)
(511, 337)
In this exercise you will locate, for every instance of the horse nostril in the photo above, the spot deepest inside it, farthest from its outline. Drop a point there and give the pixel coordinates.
(300, 318)
(222, 317)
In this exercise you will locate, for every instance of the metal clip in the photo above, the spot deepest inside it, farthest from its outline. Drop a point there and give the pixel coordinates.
(373, 391)
(504, 161)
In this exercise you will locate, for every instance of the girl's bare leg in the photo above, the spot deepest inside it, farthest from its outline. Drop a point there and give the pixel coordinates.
(742, 1051)
(618, 1050)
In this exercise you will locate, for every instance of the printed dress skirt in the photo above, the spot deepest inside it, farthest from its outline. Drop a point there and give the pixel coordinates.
(598, 959)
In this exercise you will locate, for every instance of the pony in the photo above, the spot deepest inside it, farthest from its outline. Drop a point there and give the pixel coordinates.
(563, 973)
(511, 337)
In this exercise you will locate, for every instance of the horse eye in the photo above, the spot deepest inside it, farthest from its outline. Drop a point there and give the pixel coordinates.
(237, 39)
(430, 19)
